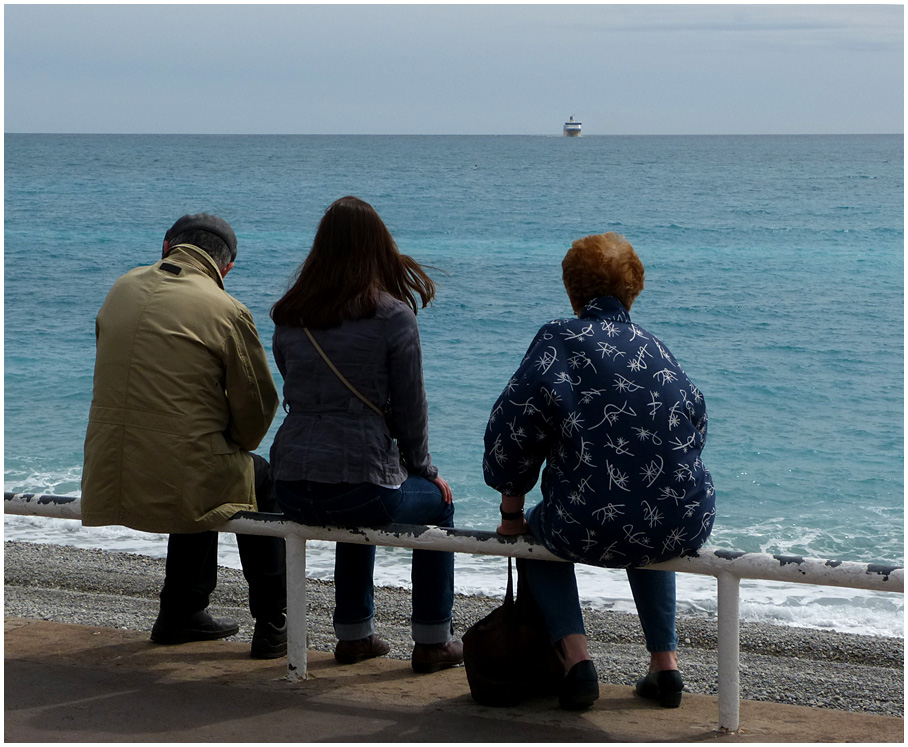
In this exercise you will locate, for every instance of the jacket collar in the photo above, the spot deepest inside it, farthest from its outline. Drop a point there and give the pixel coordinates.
(606, 308)
(191, 255)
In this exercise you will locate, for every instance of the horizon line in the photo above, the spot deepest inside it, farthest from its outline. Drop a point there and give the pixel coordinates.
(466, 134)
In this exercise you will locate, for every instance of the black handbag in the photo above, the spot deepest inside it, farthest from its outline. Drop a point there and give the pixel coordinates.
(507, 655)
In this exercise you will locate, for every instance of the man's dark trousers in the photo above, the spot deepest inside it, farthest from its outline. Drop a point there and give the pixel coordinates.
(192, 564)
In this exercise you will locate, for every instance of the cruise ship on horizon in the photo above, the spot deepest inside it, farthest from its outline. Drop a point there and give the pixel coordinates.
(572, 128)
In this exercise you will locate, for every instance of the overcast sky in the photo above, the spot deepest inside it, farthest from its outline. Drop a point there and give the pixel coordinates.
(452, 69)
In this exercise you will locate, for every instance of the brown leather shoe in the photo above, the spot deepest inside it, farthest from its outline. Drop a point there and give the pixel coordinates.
(432, 657)
(350, 652)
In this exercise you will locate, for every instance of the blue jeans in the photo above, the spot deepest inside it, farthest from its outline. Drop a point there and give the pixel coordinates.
(554, 588)
(417, 501)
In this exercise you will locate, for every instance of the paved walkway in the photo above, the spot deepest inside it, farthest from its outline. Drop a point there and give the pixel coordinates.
(73, 683)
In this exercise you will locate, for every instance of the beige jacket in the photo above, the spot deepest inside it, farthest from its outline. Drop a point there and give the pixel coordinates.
(182, 391)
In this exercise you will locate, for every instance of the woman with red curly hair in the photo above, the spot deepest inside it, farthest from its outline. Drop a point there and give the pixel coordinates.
(620, 428)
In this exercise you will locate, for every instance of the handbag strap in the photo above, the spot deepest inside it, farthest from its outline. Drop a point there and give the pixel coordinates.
(510, 593)
(341, 376)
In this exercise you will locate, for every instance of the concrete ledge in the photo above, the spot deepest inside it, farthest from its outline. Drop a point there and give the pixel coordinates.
(73, 683)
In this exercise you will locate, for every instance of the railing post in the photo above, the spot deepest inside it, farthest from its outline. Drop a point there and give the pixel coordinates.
(297, 625)
(728, 651)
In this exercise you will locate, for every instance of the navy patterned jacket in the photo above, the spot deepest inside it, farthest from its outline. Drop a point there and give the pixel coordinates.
(620, 427)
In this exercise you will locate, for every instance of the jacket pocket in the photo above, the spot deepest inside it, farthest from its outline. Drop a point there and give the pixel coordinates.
(220, 445)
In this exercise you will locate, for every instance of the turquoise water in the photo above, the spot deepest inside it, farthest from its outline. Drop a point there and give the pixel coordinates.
(774, 271)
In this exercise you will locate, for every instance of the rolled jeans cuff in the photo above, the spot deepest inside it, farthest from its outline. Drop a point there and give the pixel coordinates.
(354, 631)
(661, 648)
(566, 629)
(431, 632)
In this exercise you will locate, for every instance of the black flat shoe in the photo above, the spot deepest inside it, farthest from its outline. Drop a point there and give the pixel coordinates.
(664, 687)
(580, 687)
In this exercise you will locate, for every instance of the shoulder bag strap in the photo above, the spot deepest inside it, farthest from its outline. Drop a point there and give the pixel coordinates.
(339, 374)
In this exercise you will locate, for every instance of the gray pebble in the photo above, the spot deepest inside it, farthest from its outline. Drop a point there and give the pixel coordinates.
(778, 664)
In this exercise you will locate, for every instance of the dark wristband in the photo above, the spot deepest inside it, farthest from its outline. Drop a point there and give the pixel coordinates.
(510, 515)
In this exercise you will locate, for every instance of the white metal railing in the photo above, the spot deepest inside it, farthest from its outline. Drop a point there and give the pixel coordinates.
(727, 566)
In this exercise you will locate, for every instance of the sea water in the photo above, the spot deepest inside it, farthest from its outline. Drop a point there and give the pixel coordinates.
(774, 272)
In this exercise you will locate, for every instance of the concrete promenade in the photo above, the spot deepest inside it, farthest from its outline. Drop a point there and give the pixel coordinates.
(74, 683)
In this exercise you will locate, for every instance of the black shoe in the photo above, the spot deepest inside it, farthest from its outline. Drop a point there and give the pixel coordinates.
(199, 626)
(269, 639)
(580, 687)
(350, 652)
(664, 686)
(433, 657)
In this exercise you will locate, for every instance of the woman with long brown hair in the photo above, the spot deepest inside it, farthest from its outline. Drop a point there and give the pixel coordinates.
(353, 449)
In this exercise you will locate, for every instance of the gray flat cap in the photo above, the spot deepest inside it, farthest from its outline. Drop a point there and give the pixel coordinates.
(204, 222)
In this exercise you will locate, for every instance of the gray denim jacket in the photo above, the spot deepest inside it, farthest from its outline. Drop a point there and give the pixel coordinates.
(329, 435)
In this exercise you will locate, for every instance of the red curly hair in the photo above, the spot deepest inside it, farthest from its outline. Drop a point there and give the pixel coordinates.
(603, 264)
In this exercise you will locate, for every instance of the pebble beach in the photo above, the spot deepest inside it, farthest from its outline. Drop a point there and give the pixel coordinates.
(779, 664)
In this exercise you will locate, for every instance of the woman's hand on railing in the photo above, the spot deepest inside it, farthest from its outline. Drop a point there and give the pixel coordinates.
(513, 521)
(513, 527)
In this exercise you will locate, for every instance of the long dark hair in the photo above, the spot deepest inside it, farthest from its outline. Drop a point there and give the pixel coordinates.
(353, 258)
